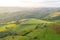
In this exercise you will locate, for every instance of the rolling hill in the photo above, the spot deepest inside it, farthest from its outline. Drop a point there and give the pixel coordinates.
(15, 13)
(53, 16)
(32, 29)
(29, 23)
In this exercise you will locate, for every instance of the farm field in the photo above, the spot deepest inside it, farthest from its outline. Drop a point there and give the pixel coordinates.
(21, 23)
(32, 29)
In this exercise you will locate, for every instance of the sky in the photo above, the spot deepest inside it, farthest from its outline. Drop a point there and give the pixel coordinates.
(29, 3)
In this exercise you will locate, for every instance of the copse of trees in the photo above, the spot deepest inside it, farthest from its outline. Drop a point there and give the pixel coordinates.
(7, 33)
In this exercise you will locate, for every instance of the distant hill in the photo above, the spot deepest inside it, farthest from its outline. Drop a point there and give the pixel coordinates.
(54, 16)
(17, 13)
(28, 23)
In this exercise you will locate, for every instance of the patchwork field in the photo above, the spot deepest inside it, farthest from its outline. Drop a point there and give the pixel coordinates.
(30, 29)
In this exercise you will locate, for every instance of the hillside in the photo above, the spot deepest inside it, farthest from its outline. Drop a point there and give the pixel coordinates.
(32, 29)
(15, 13)
(53, 16)
(29, 23)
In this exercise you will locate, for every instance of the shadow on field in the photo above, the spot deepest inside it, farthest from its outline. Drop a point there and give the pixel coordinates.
(56, 28)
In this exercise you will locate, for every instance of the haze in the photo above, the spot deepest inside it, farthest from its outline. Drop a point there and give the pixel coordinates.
(29, 3)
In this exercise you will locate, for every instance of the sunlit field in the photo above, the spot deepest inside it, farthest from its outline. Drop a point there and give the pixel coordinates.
(30, 25)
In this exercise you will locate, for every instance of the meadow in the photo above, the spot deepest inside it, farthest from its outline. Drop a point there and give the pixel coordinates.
(30, 29)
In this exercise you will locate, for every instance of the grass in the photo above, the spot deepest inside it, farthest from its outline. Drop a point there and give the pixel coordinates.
(3, 28)
(28, 31)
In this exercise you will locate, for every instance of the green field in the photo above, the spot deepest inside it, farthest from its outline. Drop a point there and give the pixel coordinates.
(32, 29)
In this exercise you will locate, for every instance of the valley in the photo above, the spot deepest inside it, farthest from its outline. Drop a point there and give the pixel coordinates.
(30, 24)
